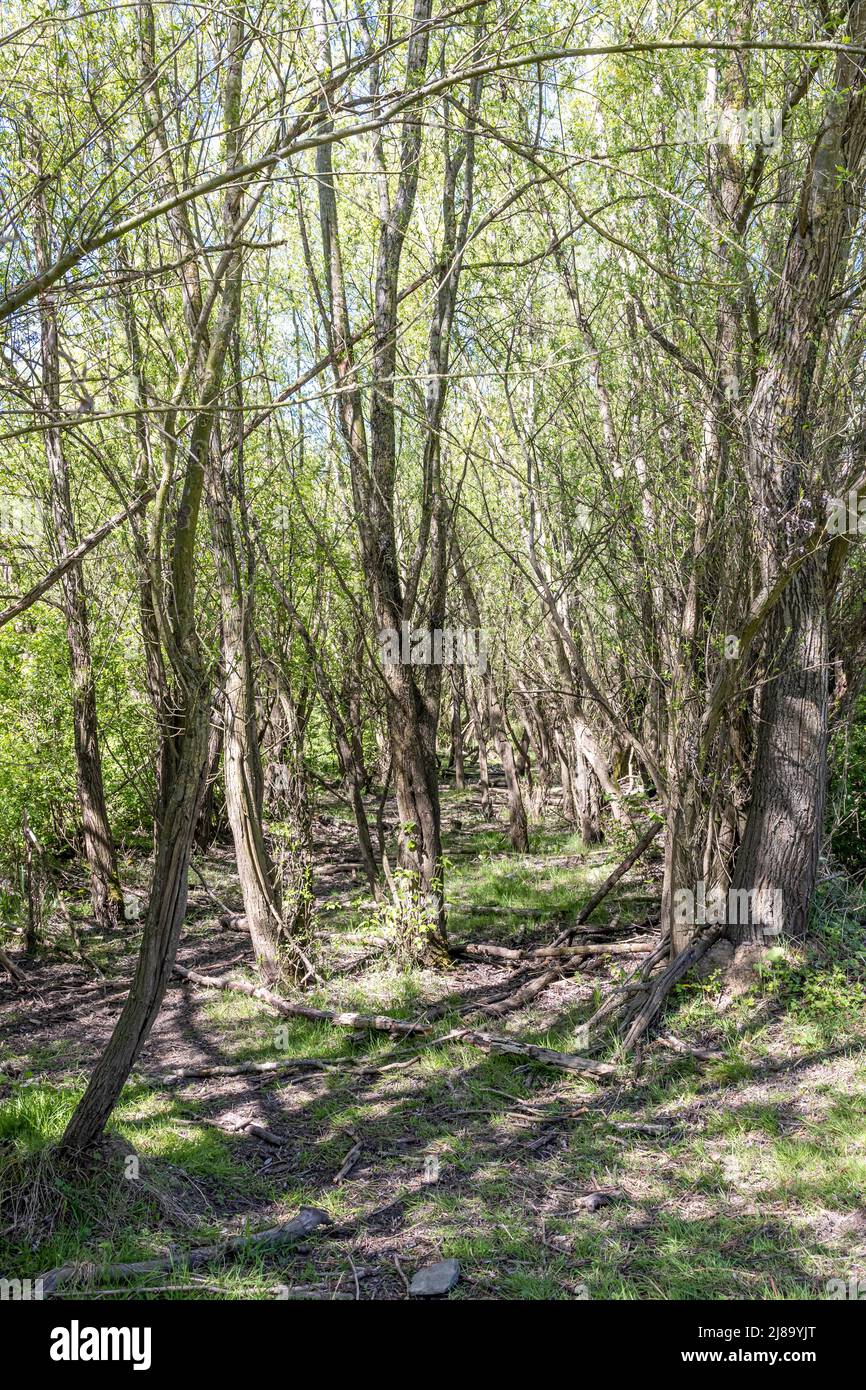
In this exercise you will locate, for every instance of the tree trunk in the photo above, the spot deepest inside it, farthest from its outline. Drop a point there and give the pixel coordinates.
(242, 766)
(586, 796)
(457, 730)
(481, 741)
(184, 730)
(165, 915)
(206, 829)
(518, 828)
(782, 840)
(416, 784)
(566, 781)
(106, 898)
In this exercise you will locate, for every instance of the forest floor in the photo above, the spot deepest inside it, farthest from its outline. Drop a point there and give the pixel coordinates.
(736, 1177)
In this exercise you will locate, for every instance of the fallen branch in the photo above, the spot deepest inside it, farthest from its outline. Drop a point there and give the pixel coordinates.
(383, 1023)
(636, 982)
(306, 1221)
(659, 990)
(11, 967)
(484, 950)
(348, 1163)
(702, 1054)
(238, 1124)
(569, 959)
(612, 880)
(525, 995)
(469, 910)
(493, 1042)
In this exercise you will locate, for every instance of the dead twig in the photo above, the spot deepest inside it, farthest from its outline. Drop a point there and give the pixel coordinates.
(348, 1163)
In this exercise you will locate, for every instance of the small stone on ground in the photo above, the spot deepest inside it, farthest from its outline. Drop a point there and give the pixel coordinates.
(435, 1279)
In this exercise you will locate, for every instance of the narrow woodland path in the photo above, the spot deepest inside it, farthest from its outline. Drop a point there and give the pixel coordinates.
(736, 1146)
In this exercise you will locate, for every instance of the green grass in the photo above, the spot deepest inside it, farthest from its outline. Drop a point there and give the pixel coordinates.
(749, 1191)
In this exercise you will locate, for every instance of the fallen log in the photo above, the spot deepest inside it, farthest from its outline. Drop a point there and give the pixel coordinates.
(485, 950)
(306, 1221)
(233, 921)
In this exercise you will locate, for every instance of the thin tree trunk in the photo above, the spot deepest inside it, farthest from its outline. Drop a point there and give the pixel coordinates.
(106, 897)
(242, 766)
(457, 730)
(481, 741)
(165, 915)
(518, 827)
(184, 732)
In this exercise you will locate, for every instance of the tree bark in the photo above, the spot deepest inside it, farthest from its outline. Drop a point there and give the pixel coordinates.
(184, 731)
(781, 841)
(242, 766)
(106, 898)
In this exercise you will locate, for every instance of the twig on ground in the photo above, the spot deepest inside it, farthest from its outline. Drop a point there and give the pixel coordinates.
(348, 1163)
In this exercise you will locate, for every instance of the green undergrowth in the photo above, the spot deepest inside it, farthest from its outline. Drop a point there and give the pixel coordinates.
(738, 1177)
